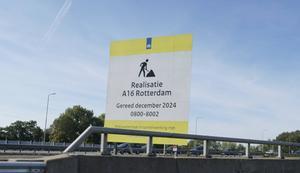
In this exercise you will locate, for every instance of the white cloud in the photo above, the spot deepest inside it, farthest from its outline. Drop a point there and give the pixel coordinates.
(58, 19)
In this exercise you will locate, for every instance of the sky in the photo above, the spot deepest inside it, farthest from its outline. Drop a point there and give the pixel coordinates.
(245, 69)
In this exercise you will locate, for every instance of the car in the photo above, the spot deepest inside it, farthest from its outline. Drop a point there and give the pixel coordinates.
(130, 148)
(269, 153)
(232, 152)
(172, 149)
(198, 150)
(296, 152)
(137, 148)
(123, 148)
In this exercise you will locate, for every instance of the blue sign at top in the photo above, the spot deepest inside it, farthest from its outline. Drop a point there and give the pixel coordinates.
(148, 43)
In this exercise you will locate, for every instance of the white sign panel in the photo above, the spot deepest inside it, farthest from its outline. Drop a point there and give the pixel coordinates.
(149, 86)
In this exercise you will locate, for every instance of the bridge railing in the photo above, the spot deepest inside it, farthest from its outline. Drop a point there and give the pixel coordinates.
(151, 134)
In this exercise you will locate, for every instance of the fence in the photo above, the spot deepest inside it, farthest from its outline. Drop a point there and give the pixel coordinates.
(22, 167)
(150, 134)
(41, 146)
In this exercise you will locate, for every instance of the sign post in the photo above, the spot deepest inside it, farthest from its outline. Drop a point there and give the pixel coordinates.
(149, 87)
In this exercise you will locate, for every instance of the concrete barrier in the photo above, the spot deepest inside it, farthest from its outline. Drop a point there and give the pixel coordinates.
(107, 164)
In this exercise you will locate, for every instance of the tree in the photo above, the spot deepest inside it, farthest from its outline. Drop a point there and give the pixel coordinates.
(192, 143)
(289, 137)
(3, 134)
(22, 130)
(70, 124)
(228, 145)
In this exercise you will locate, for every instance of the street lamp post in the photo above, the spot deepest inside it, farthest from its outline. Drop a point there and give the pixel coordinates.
(196, 127)
(47, 115)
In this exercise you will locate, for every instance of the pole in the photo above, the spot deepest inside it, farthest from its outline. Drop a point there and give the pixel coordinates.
(47, 116)
(247, 151)
(103, 145)
(205, 148)
(196, 129)
(280, 156)
(149, 146)
(289, 145)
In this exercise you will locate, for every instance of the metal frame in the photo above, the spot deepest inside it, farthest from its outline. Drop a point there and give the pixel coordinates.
(150, 134)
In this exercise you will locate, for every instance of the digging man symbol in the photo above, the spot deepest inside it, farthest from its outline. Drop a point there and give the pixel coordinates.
(143, 70)
(143, 66)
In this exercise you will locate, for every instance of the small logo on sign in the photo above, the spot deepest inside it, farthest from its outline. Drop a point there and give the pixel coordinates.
(148, 43)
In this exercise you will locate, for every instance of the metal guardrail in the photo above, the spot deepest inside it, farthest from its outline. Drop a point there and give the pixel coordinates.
(39, 146)
(150, 134)
(22, 167)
